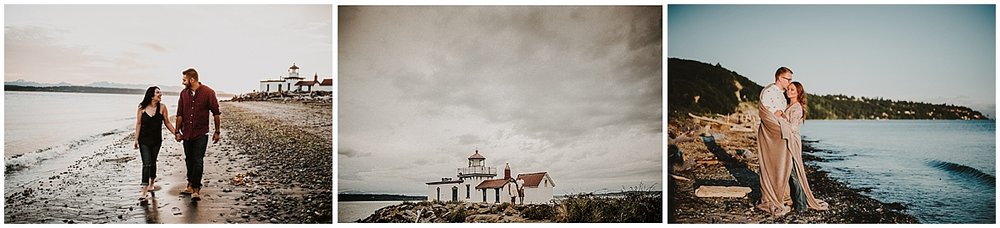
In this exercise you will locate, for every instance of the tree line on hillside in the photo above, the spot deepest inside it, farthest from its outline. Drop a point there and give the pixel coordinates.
(701, 88)
(851, 107)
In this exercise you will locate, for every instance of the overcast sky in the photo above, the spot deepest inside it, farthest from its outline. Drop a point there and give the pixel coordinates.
(573, 91)
(930, 53)
(232, 46)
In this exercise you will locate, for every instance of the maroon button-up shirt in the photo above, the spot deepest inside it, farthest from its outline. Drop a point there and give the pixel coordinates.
(194, 108)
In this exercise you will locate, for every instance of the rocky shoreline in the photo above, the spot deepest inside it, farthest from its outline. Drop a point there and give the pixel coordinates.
(636, 206)
(701, 154)
(292, 166)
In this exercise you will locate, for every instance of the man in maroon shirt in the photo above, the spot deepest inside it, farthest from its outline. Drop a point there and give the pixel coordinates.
(196, 100)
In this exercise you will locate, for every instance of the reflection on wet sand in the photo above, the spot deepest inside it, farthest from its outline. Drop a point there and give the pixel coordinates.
(191, 212)
(151, 209)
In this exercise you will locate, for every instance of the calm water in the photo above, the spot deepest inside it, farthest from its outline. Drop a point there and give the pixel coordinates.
(44, 131)
(934, 167)
(354, 210)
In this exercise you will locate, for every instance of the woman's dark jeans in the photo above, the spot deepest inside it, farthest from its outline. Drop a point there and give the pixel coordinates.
(148, 153)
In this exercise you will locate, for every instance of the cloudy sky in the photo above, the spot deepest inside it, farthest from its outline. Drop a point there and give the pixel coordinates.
(573, 91)
(232, 46)
(930, 53)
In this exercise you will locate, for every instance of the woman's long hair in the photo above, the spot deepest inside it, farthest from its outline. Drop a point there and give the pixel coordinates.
(802, 100)
(150, 92)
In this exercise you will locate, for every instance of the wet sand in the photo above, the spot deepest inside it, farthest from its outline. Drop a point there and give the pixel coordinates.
(270, 167)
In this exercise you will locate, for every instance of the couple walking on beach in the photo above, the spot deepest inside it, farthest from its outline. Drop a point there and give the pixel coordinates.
(783, 182)
(195, 103)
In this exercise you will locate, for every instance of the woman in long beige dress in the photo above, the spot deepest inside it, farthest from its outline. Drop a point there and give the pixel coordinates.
(799, 187)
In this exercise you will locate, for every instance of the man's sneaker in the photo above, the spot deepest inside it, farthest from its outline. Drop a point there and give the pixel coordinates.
(188, 190)
(196, 196)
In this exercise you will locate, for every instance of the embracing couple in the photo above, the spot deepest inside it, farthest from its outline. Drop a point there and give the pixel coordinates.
(783, 182)
(196, 101)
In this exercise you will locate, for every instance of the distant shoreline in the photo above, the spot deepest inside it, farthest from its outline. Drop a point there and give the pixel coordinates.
(377, 197)
(91, 89)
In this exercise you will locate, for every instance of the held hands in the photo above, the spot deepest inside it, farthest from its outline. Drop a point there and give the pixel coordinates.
(177, 136)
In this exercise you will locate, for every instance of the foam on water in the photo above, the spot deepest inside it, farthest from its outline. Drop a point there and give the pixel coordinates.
(20, 162)
(966, 171)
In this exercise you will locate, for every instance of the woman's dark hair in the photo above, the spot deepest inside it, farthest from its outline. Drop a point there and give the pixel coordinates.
(149, 96)
(802, 99)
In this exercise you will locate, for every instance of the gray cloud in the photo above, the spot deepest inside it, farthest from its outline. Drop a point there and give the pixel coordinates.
(351, 153)
(468, 139)
(27, 46)
(154, 47)
(81, 44)
(545, 88)
(537, 67)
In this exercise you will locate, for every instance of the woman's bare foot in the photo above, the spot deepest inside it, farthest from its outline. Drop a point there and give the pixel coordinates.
(144, 191)
(784, 211)
(823, 205)
(152, 187)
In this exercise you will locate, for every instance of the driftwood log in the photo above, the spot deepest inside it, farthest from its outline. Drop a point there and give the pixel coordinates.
(732, 126)
(722, 191)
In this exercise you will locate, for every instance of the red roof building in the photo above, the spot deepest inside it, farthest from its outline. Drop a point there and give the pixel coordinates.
(533, 180)
(492, 184)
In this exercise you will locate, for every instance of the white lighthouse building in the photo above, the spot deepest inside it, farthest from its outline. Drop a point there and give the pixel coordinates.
(475, 183)
(283, 84)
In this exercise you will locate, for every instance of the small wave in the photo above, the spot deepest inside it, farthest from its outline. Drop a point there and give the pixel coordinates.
(23, 161)
(965, 171)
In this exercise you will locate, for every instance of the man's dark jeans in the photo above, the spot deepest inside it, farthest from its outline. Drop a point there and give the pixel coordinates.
(798, 194)
(194, 158)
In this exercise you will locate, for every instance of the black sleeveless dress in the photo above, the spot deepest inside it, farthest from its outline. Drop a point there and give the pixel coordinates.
(149, 133)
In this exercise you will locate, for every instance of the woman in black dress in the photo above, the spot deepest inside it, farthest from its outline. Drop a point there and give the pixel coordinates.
(151, 114)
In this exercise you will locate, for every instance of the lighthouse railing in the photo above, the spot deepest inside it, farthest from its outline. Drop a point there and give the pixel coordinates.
(477, 170)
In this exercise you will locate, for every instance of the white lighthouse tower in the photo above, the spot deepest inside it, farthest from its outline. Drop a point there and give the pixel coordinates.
(293, 77)
(477, 170)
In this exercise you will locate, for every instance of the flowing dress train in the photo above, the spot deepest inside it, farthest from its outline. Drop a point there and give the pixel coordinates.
(795, 120)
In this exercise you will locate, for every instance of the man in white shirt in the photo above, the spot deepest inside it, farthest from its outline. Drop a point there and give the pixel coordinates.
(772, 144)
(773, 95)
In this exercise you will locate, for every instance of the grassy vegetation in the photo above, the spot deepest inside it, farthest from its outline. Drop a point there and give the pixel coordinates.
(635, 205)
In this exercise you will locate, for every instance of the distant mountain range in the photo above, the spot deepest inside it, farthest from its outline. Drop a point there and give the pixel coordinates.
(102, 84)
(82, 89)
(701, 88)
(94, 87)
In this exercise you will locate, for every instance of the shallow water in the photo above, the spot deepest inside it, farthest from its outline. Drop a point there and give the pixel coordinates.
(354, 210)
(37, 121)
(942, 170)
(79, 166)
